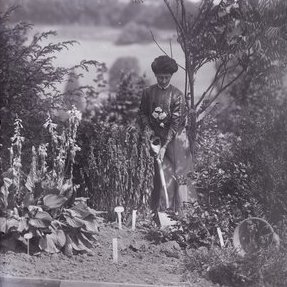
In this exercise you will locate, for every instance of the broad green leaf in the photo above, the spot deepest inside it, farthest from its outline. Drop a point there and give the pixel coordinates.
(77, 243)
(12, 223)
(60, 238)
(74, 222)
(41, 219)
(39, 223)
(53, 201)
(23, 225)
(3, 224)
(81, 210)
(43, 215)
(91, 226)
(47, 244)
(84, 239)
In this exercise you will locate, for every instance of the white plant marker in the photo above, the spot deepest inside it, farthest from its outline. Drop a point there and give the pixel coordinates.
(119, 210)
(28, 236)
(220, 237)
(115, 250)
(134, 217)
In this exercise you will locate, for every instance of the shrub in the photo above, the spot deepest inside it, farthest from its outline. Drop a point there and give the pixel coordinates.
(122, 106)
(29, 86)
(225, 267)
(121, 67)
(222, 182)
(133, 33)
(115, 165)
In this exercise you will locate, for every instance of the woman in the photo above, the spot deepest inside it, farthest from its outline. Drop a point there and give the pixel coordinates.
(162, 116)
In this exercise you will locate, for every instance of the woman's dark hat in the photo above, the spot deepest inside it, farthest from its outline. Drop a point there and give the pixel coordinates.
(164, 65)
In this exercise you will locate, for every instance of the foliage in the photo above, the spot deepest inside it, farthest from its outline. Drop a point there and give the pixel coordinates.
(223, 266)
(221, 174)
(29, 84)
(222, 181)
(41, 206)
(133, 33)
(122, 106)
(239, 36)
(115, 166)
(122, 66)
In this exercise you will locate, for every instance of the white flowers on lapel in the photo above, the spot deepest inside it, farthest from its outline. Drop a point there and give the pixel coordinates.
(159, 115)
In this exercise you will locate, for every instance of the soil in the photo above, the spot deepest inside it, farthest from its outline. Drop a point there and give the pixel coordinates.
(139, 261)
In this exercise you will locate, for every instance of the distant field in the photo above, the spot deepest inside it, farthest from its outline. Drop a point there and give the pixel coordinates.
(97, 43)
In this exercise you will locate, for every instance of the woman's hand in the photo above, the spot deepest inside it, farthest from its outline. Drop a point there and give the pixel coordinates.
(148, 133)
(162, 152)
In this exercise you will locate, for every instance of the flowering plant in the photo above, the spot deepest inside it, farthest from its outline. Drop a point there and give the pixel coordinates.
(159, 115)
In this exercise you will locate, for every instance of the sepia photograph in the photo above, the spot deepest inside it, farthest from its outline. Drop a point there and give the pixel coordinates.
(143, 143)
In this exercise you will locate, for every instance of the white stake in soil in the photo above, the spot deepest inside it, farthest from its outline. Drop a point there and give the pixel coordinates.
(115, 250)
(134, 217)
(220, 237)
(119, 210)
(28, 236)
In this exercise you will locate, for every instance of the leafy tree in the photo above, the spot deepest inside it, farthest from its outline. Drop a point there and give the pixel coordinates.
(122, 106)
(29, 84)
(239, 36)
(122, 65)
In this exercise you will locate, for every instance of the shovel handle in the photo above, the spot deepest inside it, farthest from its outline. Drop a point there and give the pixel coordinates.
(163, 182)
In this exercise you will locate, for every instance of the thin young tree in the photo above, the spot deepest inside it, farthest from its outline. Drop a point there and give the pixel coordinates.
(238, 36)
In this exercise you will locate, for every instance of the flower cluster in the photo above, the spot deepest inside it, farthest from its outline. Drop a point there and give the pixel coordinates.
(159, 115)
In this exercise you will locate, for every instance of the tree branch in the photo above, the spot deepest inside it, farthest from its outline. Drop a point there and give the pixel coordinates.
(163, 49)
(221, 90)
(215, 79)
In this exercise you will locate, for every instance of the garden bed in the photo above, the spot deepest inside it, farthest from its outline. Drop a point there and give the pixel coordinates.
(139, 262)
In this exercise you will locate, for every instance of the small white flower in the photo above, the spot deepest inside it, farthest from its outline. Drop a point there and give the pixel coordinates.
(158, 109)
(155, 115)
(162, 116)
(161, 125)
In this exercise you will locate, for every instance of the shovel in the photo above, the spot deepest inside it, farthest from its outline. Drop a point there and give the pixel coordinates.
(163, 217)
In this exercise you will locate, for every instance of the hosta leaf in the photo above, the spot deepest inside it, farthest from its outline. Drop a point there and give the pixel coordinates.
(57, 224)
(74, 222)
(42, 219)
(23, 225)
(43, 215)
(47, 244)
(34, 208)
(77, 243)
(3, 224)
(91, 226)
(84, 239)
(59, 238)
(12, 223)
(39, 223)
(81, 210)
(54, 201)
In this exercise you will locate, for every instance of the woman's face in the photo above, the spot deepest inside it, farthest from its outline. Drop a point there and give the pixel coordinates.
(163, 79)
